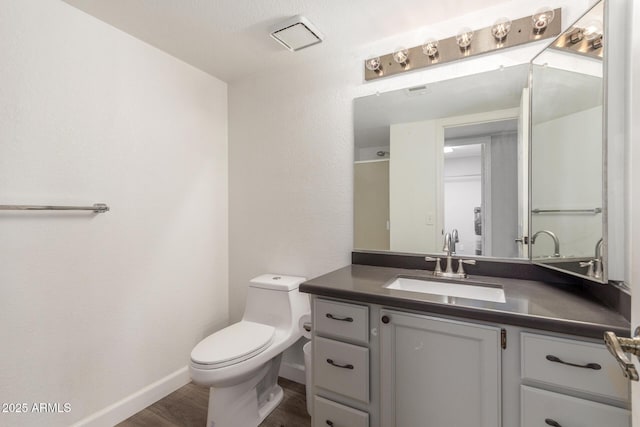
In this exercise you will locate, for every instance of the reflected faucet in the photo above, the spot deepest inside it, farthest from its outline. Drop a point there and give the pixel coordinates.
(454, 239)
(598, 259)
(447, 244)
(556, 242)
(599, 248)
(594, 265)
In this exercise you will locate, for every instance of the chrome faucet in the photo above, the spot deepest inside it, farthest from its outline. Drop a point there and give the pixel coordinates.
(449, 243)
(447, 250)
(556, 242)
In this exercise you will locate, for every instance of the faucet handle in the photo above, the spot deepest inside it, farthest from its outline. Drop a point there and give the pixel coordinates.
(461, 271)
(437, 270)
(589, 264)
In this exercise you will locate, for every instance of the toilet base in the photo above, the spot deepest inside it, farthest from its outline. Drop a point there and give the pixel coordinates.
(274, 400)
(246, 404)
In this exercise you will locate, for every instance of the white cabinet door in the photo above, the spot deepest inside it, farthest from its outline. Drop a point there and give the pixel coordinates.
(438, 372)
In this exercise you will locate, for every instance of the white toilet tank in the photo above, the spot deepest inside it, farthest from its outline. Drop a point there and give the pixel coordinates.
(273, 299)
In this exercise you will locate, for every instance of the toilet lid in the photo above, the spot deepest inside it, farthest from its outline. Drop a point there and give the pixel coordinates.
(233, 344)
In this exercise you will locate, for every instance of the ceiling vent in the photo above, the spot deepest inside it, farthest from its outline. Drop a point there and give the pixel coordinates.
(297, 33)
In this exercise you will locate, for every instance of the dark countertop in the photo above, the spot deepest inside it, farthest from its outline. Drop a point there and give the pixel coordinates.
(551, 307)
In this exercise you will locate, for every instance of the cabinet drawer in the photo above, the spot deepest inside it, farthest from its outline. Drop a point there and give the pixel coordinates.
(541, 408)
(542, 358)
(328, 413)
(341, 320)
(341, 368)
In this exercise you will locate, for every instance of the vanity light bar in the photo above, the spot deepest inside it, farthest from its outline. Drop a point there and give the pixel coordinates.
(480, 41)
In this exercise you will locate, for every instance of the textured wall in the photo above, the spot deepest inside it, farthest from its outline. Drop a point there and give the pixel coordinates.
(95, 307)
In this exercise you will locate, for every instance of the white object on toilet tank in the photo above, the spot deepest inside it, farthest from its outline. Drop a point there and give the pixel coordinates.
(276, 282)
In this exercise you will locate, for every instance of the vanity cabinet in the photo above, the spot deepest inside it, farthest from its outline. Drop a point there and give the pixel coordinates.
(439, 372)
(340, 364)
(375, 366)
(333, 414)
(583, 384)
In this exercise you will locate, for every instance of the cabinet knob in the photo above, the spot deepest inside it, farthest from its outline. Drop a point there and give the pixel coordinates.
(386, 319)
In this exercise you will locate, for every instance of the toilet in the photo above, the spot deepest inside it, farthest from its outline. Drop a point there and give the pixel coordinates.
(240, 363)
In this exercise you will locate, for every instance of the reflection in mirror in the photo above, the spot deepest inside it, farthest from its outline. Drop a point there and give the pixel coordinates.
(567, 206)
(449, 157)
(481, 187)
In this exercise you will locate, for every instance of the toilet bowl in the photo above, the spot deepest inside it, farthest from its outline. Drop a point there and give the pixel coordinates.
(240, 363)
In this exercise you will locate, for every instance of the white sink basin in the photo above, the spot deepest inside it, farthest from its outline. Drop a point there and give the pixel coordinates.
(425, 286)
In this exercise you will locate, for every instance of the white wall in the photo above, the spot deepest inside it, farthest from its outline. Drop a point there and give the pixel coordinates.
(97, 307)
(570, 151)
(291, 148)
(415, 185)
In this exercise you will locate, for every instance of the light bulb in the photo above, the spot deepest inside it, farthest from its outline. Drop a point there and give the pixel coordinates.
(373, 64)
(401, 56)
(430, 48)
(501, 28)
(448, 149)
(464, 37)
(593, 33)
(593, 30)
(575, 35)
(542, 18)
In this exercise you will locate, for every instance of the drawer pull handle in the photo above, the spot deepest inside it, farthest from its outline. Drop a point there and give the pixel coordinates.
(342, 319)
(329, 423)
(594, 366)
(337, 365)
(552, 423)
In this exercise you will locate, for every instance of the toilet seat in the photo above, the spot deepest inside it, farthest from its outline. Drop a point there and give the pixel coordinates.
(233, 344)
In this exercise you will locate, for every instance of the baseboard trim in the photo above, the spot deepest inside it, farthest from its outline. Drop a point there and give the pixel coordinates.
(134, 403)
(293, 372)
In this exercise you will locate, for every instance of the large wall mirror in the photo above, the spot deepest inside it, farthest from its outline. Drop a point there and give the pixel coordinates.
(445, 157)
(513, 171)
(568, 204)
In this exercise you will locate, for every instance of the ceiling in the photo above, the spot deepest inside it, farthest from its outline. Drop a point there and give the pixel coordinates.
(230, 39)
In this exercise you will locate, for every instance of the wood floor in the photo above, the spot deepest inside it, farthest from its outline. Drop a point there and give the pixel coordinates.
(187, 407)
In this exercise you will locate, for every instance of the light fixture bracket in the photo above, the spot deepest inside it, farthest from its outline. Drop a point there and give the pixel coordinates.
(593, 48)
(484, 41)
